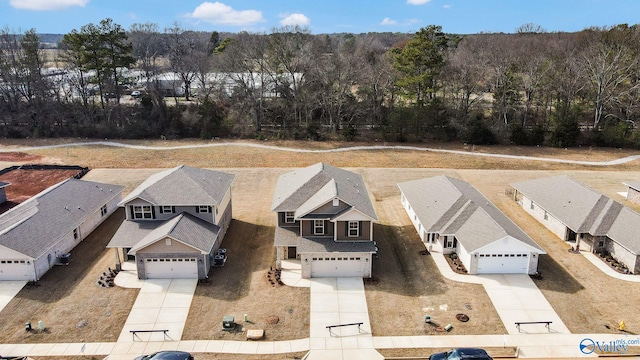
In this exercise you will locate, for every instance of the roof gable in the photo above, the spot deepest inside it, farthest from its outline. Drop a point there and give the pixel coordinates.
(450, 206)
(183, 185)
(185, 228)
(317, 184)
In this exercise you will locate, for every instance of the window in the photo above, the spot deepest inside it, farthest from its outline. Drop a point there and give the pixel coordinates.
(601, 243)
(546, 215)
(167, 209)
(289, 218)
(532, 206)
(142, 212)
(203, 209)
(336, 202)
(318, 227)
(449, 242)
(75, 233)
(354, 229)
(103, 210)
(167, 241)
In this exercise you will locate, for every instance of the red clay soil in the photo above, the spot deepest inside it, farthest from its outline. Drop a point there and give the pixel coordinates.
(18, 156)
(27, 183)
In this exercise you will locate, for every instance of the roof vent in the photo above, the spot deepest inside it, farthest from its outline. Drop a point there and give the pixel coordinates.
(78, 207)
(66, 208)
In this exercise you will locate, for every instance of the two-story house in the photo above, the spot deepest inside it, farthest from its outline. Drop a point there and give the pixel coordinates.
(324, 219)
(175, 222)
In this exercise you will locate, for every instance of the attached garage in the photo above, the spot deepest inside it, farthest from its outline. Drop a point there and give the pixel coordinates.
(164, 268)
(15, 270)
(503, 264)
(337, 267)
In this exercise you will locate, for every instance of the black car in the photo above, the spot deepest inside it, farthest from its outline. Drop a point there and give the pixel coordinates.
(167, 355)
(462, 353)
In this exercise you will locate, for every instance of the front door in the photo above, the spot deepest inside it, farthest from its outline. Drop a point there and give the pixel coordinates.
(292, 252)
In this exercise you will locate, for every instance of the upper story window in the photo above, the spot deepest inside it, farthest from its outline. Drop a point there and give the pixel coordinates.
(318, 227)
(354, 229)
(203, 209)
(289, 217)
(103, 210)
(167, 209)
(336, 202)
(75, 234)
(142, 212)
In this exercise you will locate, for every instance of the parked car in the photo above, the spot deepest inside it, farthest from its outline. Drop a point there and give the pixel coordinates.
(136, 94)
(462, 353)
(167, 355)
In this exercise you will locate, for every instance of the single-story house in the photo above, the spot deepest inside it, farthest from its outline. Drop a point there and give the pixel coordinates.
(633, 191)
(451, 216)
(175, 222)
(3, 192)
(36, 234)
(582, 216)
(325, 219)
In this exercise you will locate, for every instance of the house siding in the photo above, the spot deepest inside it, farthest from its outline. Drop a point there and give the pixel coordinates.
(307, 228)
(622, 255)
(329, 209)
(97, 218)
(364, 232)
(552, 223)
(633, 195)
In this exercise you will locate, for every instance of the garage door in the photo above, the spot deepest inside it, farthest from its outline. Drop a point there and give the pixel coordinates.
(337, 267)
(186, 268)
(503, 264)
(15, 270)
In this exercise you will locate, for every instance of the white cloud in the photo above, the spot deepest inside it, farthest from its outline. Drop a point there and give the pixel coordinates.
(417, 2)
(295, 19)
(221, 14)
(446, 6)
(387, 21)
(46, 4)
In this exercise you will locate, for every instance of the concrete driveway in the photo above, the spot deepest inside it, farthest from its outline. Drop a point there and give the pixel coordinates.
(162, 304)
(8, 290)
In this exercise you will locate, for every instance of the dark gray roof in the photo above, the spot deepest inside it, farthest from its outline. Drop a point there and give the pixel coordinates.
(450, 206)
(318, 245)
(584, 210)
(4, 184)
(304, 189)
(183, 227)
(34, 226)
(286, 236)
(183, 185)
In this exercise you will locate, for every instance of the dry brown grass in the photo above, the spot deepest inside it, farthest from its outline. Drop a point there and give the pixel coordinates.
(250, 157)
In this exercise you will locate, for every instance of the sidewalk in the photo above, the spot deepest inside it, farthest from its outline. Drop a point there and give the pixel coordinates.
(593, 258)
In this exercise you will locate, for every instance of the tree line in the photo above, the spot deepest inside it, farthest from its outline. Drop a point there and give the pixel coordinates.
(528, 88)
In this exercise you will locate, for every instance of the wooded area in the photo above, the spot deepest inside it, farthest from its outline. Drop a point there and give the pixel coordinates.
(526, 88)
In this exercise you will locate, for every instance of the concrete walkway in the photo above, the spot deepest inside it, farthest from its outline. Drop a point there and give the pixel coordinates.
(339, 301)
(8, 290)
(515, 297)
(597, 262)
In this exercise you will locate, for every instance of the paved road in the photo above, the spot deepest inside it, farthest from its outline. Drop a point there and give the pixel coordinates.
(345, 149)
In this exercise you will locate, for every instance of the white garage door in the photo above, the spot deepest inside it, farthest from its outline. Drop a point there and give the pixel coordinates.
(171, 268)
(15, 270)
(503, 264)
(337, 267)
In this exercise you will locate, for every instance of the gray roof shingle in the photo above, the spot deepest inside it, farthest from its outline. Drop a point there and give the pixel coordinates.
(183, 227)
(453, 207)
(183, 186)
(34, 226)
(584, 210)
(304, 189)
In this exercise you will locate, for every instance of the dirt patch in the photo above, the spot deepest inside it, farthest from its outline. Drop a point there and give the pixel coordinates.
(27, 183)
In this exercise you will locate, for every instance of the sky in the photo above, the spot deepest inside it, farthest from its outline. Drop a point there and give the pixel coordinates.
(320, 16)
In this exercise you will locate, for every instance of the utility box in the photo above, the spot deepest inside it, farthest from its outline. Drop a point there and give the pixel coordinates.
(228, 323)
